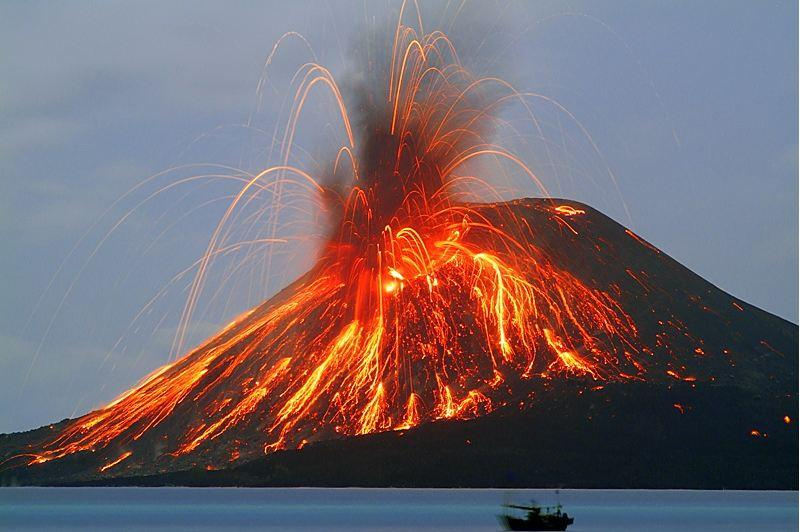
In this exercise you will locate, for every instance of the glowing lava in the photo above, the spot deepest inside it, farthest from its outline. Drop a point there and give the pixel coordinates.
(422, 306)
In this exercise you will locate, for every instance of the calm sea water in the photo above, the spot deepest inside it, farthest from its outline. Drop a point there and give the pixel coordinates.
(383, 509)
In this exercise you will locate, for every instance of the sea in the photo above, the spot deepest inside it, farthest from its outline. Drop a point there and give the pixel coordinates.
(310, 509)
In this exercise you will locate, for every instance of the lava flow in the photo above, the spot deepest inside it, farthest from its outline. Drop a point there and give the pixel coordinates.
(424, 305)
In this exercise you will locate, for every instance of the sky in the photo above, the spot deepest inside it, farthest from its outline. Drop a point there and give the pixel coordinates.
(692, 106)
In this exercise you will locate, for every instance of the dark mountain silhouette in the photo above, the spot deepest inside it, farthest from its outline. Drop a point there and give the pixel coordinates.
(703, 396)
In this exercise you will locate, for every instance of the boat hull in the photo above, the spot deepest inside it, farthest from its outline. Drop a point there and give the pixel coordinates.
(515, 523)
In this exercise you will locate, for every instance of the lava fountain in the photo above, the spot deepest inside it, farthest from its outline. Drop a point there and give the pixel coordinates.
(423, 305)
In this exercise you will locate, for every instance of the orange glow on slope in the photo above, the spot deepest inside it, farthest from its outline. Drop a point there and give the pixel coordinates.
(115, 462)
(412, 413)
(642, 241)
(567, 360)
(568, 210)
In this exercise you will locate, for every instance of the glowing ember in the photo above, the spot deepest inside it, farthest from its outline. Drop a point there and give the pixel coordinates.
(115, 462)
(568, 210)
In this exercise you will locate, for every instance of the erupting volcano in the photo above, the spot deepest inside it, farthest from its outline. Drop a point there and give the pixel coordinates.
(431, 300)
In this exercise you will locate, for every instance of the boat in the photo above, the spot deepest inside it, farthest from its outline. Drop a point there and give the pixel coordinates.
(536, 517)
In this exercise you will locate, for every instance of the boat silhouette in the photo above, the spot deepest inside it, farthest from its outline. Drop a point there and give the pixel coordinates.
(535, 518)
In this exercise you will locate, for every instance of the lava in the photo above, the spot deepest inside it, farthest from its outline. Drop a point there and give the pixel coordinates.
(422, 306)
(111, 464)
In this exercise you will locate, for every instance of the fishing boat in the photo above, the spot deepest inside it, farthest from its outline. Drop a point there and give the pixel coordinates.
(535, 518)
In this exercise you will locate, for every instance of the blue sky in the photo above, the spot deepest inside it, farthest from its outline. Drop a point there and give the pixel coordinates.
(692, 104)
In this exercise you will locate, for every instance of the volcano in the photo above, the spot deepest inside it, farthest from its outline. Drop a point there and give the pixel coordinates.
(434, 303)
(222, 405)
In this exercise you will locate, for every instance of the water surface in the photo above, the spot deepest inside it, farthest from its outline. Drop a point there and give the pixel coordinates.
(384, 509)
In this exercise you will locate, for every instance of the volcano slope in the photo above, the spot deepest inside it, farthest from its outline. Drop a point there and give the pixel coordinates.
(678, 384)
